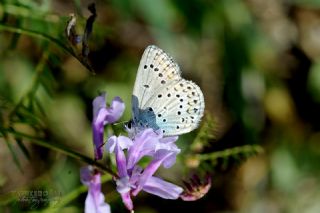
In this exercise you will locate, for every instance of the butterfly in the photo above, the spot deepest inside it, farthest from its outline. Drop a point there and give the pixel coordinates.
(162, 99)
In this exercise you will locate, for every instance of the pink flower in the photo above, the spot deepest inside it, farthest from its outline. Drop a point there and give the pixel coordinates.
(196, 188)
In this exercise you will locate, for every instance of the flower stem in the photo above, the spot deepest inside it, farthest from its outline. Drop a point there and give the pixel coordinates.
(62, 149)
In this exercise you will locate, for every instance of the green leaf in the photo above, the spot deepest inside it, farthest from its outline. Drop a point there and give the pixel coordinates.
(11, 149)
(23, 148)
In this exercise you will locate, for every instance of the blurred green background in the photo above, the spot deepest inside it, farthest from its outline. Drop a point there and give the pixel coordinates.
(256, 61)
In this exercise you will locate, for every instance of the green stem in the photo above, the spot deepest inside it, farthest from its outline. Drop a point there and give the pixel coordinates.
(233, 151)
(36, 34)
(38, 71)
(62, 149)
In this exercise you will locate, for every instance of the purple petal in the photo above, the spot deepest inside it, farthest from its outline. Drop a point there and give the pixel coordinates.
(169, 140)
(135, 175)
(101, 116)
(170, 160)
(98, 103)
(162, 188)
(121, 161)
(95, 199)
(126, 199)
(123, 185)
(111, 144)
(196, 188)
(151, 169)
(98, 130)
(95, 204)
(169, 145)
(144, 143)
(124, 142)
(86, 175)
(115, 111)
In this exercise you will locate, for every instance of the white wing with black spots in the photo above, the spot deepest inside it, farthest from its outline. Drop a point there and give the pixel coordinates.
(178, 104)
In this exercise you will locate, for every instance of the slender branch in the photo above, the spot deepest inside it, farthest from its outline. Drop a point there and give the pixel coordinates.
(62, 149)
(246, 149)
(36, 34)
(38, 71)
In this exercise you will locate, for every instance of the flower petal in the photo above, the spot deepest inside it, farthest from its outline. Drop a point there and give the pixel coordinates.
(98, 130)
(98, 103)
(111, 144)
(169, 145)
(95, 199)
(86, 175)
(121, 161)
(123, 185)
(135, 175)
(162, 188)
(115, 111)
(126, 199)
(96, 204)
(169, 140)
(151, 169)
(144, 144)
(124, 142)
(196, 188)
(103, 115)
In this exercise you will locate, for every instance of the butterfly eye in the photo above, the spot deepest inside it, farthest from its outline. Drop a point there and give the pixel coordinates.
(129, 124)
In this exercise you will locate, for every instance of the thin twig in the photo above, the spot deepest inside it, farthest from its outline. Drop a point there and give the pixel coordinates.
(48, 38)
(62, 149)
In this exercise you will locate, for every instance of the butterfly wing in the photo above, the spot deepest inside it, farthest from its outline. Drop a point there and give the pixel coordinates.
(177, 103)
(155, 71)
(182, 111)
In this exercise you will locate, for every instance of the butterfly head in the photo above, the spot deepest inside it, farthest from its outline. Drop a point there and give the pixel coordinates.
(129, 126)
(141, 118)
